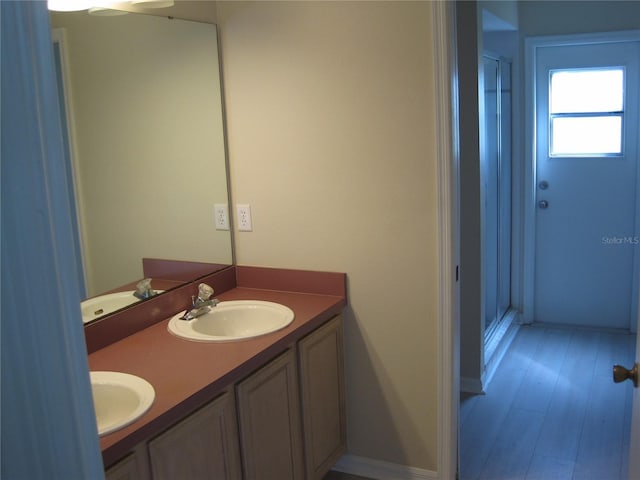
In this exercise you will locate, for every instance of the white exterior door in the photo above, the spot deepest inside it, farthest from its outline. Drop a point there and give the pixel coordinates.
(585, 184)
(634, 458)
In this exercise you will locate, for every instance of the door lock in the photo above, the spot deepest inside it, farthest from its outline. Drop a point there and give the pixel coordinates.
(543, 185)
(543, 204)
(620, 374)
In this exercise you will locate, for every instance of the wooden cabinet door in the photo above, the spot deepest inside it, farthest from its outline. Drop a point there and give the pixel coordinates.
(127, 469)
(203, 446)
(269, 422)
(323, 397)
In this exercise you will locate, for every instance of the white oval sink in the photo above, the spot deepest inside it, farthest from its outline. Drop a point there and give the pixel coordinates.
(233, 320)
(105, 304)
(119, 399)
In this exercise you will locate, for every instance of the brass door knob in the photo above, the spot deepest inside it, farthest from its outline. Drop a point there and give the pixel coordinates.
(620, 374)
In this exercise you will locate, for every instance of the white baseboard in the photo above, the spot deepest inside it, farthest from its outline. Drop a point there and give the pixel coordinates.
(471, 385)
(500, 347)
(494, 351)
(379, 470)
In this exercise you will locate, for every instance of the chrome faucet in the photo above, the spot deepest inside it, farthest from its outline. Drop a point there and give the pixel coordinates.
(144, 290)
(202, 304)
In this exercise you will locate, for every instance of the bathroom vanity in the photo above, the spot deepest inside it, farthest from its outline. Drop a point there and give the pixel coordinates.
(267, 407)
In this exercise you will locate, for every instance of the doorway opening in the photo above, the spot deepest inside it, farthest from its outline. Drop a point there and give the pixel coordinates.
(535, 419)
(533, 19)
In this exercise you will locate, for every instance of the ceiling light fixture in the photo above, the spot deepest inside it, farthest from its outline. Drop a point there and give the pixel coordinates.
(153, 3)
(105, 7)
(68, 5)
(106, 12)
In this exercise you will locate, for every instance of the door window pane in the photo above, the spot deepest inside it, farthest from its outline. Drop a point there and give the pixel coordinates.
(583, 91)
(586, 135)
(586, 110)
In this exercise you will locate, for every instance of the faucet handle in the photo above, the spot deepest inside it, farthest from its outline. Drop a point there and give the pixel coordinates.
(204, 291)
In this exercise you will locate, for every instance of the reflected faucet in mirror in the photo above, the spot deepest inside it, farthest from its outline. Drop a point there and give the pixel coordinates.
(202, 304)
(144, 290)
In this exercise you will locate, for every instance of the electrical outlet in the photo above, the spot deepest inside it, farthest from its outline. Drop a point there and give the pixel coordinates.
(244, 218)
(221, 216)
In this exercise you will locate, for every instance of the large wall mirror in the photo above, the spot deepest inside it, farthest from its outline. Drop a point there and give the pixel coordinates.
(144, 112)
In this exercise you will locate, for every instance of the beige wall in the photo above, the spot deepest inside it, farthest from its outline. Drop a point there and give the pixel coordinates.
(330, 109)
(149, 142)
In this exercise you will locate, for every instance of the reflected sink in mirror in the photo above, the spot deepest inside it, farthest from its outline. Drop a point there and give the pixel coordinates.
(119, 399)
(233, 320)
(105, 304)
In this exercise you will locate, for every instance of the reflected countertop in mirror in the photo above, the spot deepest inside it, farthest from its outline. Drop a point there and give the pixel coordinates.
(162, 276)
(147, 149)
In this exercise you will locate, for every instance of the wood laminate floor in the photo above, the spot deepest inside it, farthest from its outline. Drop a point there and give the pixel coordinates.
(552, 411)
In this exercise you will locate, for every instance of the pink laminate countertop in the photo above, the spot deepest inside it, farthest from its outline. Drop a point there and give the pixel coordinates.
(186, 374)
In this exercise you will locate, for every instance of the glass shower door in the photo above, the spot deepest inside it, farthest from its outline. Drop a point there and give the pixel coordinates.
(495, 174)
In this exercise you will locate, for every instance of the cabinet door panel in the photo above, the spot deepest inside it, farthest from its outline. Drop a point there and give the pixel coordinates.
(204, 445)
(323, 397)
(269, 422)
(126, 469)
